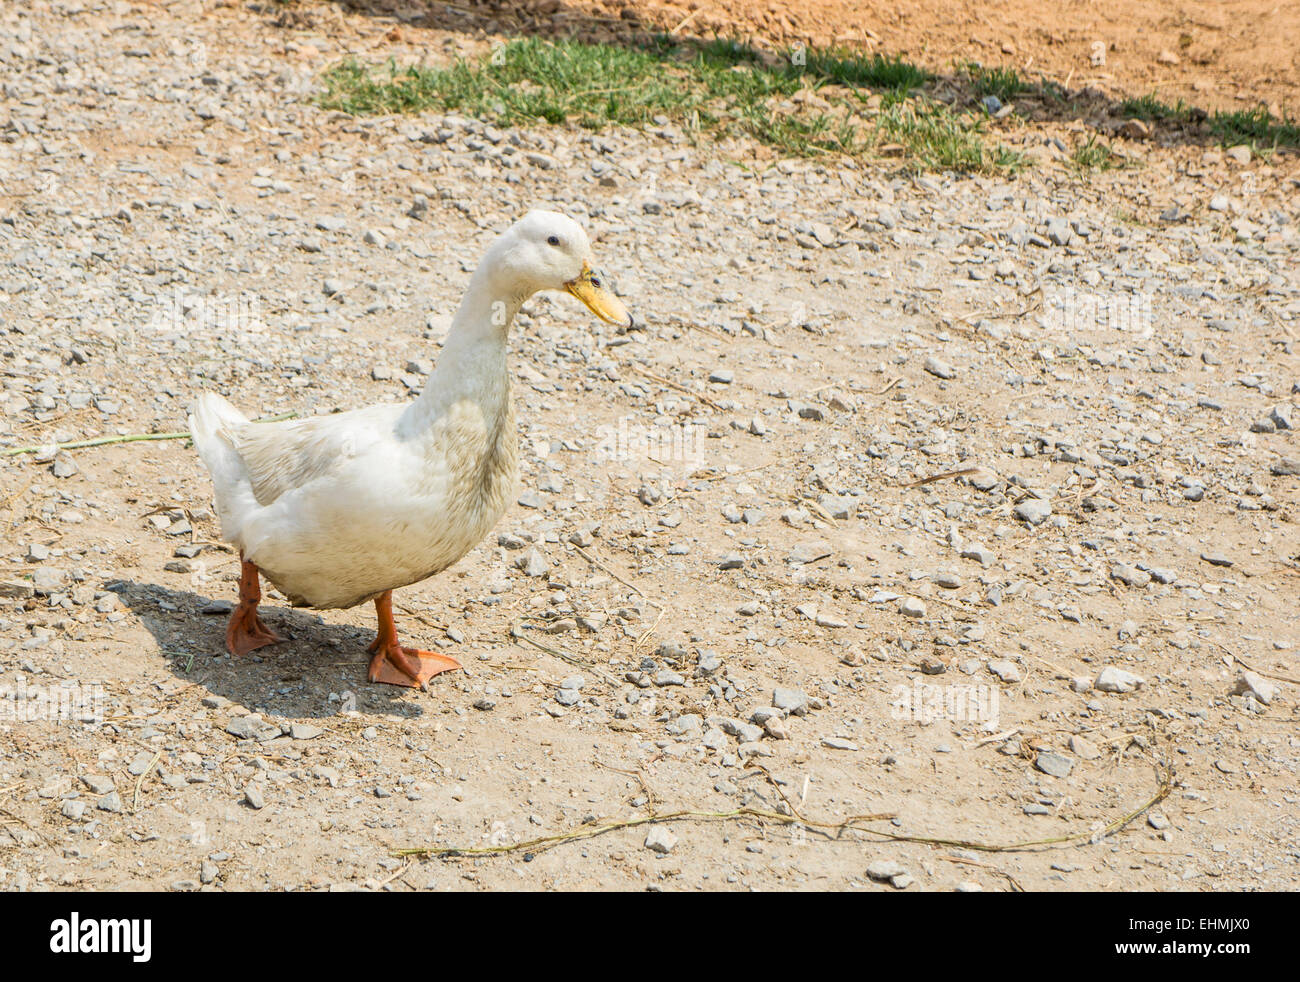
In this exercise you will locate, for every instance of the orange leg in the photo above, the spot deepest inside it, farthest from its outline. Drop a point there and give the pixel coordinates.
(395, 664)
(246, 632)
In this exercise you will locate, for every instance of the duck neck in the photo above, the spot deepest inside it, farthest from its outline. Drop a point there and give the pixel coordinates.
(472, 365)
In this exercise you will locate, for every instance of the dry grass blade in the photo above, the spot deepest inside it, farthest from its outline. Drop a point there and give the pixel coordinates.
(631, 586)
(1268, 675)
(674, 385)
(947, 474)
(19, 820)
(105, 441)
(855, 823)
(517, 632)
(686, 815)
(135, 801)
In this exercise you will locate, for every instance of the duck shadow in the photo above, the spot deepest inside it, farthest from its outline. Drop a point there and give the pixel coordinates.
(318, 671)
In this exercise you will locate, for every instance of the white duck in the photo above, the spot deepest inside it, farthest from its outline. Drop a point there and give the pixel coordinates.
(337, 510)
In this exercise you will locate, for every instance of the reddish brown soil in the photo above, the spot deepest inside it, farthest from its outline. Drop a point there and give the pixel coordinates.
(1221, 54)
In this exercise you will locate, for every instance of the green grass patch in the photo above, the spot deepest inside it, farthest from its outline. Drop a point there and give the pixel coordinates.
(1256, 127)
(937, 138)
(1005, 83)
(875, 71)
(1150, 109)
(1096, 155)
(721, 86)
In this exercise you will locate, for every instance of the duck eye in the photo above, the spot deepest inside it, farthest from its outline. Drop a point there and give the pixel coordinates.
(553, 240)
(595, 281)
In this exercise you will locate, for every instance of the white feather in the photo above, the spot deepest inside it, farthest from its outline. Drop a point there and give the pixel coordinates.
(335, 510)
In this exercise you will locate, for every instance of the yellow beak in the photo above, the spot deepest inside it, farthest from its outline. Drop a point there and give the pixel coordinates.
(590, 288)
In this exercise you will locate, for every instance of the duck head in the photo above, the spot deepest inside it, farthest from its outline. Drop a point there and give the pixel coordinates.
(545, 250)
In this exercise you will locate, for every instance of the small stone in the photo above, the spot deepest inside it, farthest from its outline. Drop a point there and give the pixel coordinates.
(254, 796)
(830, 620)
(97, 783)
(1053, 764)
(1130, 575)
(48, 579)
(1083, 749)
(1059, 231)
(884, 870)
(791, 701)
(939, 369)
(1007, 671)
(1135, 129)
(686, 725)
(1033, 510)
(912, 607)
(980, 554)
(1251, 683)
(304, 731)
(533, 563)
(660, 839)
(838, 743)
(1285, 467)
(1112, 679)
(1158, 821)
(111, 802)
(252, 727)
(1216, 559)
(810, 552)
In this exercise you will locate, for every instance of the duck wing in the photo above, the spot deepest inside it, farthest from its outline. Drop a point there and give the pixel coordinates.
(286, 456)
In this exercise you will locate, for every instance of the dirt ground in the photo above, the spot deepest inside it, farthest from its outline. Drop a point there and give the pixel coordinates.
(1218, 54)
(736, 576)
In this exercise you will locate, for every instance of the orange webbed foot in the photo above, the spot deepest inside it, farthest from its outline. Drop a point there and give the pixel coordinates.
(411, 667)
(395, 664)
(246, 632)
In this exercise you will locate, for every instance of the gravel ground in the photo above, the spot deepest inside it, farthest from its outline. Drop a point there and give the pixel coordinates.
(721, 555)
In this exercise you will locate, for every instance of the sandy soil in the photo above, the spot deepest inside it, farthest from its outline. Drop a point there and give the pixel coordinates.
(721, 556)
